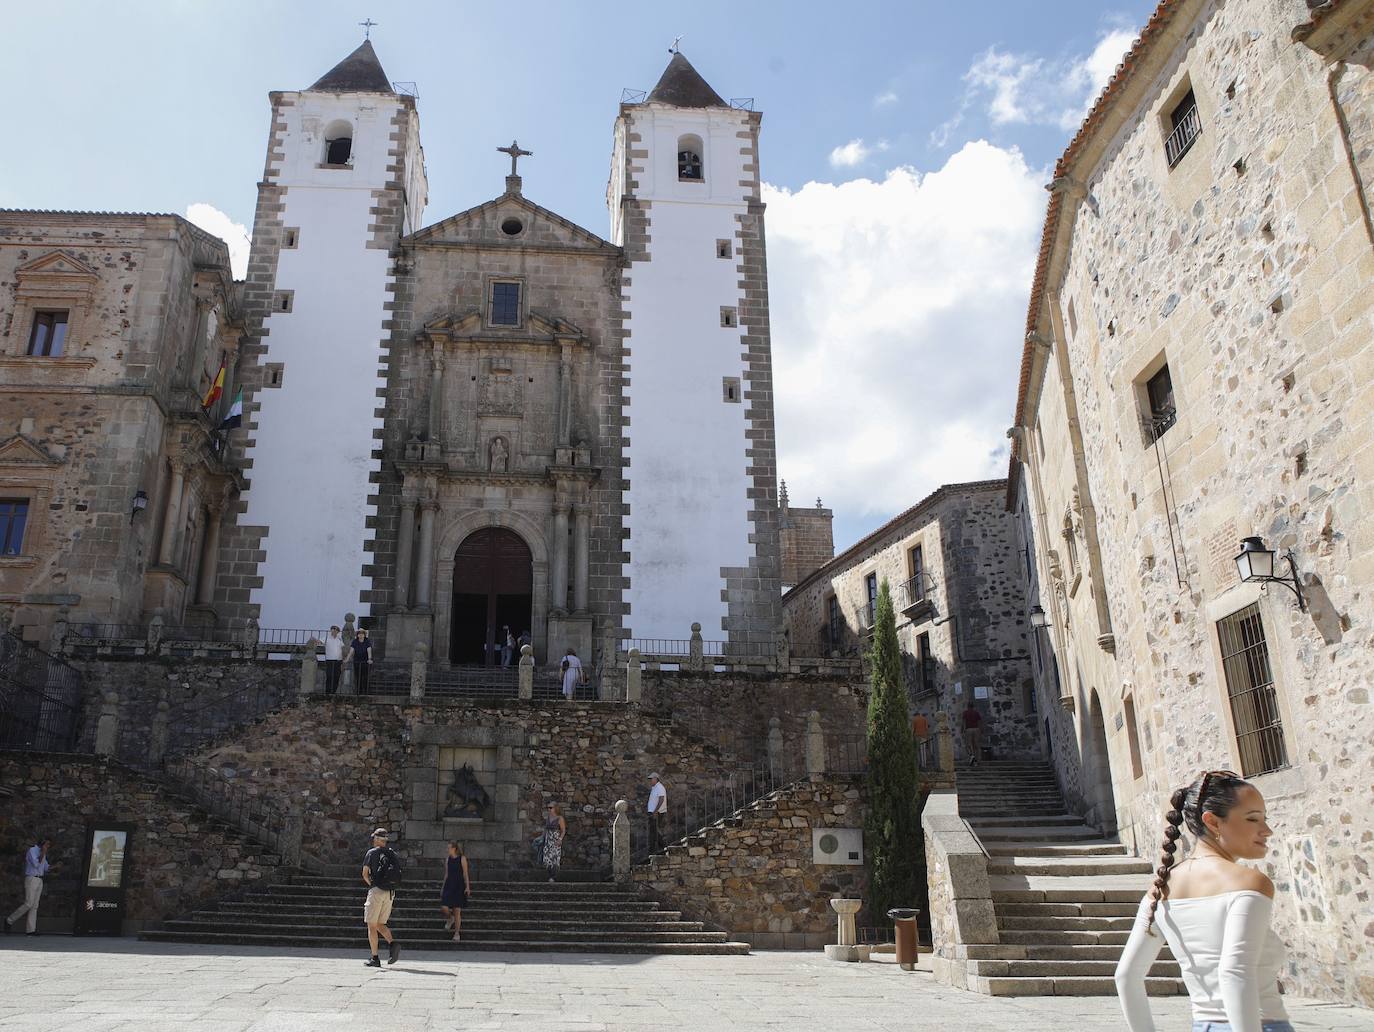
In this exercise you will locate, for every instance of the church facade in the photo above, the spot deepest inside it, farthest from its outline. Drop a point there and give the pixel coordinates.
(501, 420)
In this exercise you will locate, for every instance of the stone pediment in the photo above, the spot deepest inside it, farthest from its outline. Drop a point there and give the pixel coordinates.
(466, 326)
(20, 451)
(57, 263)
(540, 228)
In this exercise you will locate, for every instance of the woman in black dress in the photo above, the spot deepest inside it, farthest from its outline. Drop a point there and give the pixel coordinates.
(457, 888)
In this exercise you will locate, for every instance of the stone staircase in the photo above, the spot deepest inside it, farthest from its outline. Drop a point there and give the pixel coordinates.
(1064, 896)
(524, 916)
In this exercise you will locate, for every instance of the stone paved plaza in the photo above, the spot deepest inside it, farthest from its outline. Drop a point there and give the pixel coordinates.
(64, 984)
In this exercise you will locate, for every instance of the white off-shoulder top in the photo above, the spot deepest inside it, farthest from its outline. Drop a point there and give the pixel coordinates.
(1229, 956)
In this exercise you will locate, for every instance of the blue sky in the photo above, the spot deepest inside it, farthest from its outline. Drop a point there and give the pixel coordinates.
(905, 145)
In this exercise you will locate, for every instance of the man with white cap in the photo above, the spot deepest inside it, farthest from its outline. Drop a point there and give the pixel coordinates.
(658, 806)
(381, 875)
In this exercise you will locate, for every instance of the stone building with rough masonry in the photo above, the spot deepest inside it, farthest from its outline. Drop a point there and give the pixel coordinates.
(1199, 369)
(958, 587)
(113, 487)
(806, 539)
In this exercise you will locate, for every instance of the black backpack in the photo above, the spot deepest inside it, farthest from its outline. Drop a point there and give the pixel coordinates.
(388, 873)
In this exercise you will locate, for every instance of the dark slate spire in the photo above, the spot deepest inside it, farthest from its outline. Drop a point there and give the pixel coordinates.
(359, 72)
(682, 86)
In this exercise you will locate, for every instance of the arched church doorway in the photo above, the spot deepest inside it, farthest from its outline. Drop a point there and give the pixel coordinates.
(493, 587)
(1098, 770)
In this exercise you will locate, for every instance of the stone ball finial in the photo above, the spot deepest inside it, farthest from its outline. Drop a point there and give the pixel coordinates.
(696, 628)
(774, 722)
(350, 618)
(621, 806)
(527, 650)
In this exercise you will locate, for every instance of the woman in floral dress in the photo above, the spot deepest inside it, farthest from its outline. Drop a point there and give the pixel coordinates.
(555, 827)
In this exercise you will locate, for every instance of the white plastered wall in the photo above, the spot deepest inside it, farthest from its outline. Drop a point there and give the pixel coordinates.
(312, 450)
(688, 498)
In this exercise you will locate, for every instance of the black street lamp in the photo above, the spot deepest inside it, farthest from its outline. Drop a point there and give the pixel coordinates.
(1256, 566)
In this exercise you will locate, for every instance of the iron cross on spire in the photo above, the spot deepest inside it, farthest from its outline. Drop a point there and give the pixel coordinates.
(368, 26)
(515, 154)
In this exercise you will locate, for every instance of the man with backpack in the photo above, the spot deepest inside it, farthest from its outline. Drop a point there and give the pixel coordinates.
(382, 876)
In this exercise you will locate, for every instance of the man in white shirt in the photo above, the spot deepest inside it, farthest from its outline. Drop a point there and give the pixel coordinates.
(658, 806)
(333, 659)
(35, 867)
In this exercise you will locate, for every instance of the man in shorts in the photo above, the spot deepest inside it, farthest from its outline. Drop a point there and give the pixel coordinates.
(377, 909)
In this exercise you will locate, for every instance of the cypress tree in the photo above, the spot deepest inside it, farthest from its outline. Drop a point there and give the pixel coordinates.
(892, 828)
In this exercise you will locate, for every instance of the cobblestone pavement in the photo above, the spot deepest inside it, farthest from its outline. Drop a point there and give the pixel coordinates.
(126, 986)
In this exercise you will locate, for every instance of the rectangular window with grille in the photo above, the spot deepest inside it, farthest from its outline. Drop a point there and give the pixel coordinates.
(836, 622)
(916, 587)
(1184, 127)
(505, 304)
(1159, 392)
(14, 516)
(1250, 689)
(926, 665)
(870, 611)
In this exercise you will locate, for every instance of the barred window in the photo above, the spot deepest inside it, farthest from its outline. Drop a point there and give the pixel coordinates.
(1250, 688)
(505, 304)
(871, 589)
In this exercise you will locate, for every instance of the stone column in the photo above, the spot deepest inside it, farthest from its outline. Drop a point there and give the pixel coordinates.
(632, 677)
(845, 949)
(346, 676)
(292, 835)
(565, 393)
(436, 393)
(774, 748)
(424, 575)
(696, 650)
(527, 671)
(107, 727)
(815, 745)
(582, 549)
(209, 559)
(171, 515)
(944, 742)
(620, 842)
(558, 576)
(310, 666)
(404, 545)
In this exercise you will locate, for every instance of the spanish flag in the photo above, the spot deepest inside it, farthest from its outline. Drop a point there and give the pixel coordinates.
(235, 414)
(216, 389)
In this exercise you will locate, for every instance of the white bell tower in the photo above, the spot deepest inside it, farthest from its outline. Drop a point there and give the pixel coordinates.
(344, 180)
(700, 455)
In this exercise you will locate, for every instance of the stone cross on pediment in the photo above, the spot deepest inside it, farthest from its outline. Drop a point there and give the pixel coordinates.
(515, 154)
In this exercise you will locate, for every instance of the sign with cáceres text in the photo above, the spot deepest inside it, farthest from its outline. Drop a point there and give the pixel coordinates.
(105, 874)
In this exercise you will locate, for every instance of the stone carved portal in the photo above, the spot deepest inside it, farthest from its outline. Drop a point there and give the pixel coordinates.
(493, 588)
(467, 780)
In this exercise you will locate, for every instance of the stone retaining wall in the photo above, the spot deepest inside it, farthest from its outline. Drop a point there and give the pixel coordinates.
(179, 855)
(756, 878)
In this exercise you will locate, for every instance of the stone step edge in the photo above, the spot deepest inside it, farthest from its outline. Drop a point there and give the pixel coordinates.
(353, 942)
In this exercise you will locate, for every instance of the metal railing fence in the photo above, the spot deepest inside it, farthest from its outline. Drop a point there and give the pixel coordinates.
(40, 698)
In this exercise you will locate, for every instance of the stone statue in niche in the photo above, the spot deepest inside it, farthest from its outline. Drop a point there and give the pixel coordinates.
(500, 456)
(466, 798)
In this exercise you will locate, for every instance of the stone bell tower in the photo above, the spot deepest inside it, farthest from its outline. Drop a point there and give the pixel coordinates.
(344, 180)
(700, 454)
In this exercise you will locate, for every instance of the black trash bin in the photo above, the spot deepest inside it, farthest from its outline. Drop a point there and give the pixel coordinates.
(904, 921)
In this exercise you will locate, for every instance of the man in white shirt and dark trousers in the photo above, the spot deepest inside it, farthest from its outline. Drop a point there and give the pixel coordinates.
(35, 867)
(333, 659)
(658, 806)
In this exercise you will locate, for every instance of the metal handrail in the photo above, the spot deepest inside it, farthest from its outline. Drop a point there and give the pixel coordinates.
(1178, 142)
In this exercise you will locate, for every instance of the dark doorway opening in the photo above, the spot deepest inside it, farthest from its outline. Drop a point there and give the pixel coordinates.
(493, 588)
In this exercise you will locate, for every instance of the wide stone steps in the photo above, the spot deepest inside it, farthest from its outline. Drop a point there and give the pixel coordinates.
(1065, 897)
(572, 917)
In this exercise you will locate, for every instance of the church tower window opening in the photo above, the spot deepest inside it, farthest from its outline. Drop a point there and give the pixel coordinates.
(505, 304)
(689, 159)
(338, 144)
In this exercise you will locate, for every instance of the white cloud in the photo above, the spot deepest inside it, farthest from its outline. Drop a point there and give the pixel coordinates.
(897, 308)
(1032, 90)
(855, 152)
(234, 234)
(885, 98)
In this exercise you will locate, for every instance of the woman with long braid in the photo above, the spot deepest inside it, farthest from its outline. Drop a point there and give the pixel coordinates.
(1213, 912)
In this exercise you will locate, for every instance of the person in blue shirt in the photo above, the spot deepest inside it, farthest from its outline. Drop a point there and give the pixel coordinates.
(35, 867)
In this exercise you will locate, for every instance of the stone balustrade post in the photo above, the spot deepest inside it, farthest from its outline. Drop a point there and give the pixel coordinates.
(250, 634)
(815, 745)
(157, 738)
(292, 835)
(419, 671)
(633, 680)
(696, 650)
(154, 636)
(944, 742)
(610, 645)
(350, 629)
(310, 666)
(782, 652)
(774, 748)
(526, 666)
(620, 842)
(107, 727)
